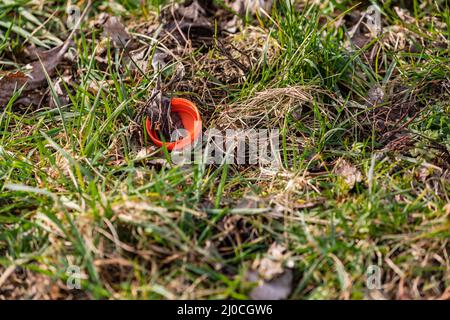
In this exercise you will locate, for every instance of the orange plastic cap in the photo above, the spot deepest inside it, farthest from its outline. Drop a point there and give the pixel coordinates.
(191, 120)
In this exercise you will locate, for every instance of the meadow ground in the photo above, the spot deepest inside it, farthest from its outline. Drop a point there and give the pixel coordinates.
(358, 209)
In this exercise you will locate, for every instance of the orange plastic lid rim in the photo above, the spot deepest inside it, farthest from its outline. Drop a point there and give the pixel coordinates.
(192, 123)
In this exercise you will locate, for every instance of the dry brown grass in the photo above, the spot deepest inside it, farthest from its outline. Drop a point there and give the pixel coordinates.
(268, 108)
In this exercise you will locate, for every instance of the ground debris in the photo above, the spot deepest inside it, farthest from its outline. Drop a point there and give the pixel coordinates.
(115, 30)
(272, 264)
(273, 274)
(32, 84)
(375, 96)
(34, 80)
(278, 288)
(349, 173)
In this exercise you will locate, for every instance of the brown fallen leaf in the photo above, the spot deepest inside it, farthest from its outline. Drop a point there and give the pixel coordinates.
(159, 61)
(360, 40)
(272, 264)
(46, 63)
(194, 11)
(9, 83)
(362, 32)
(115, 30)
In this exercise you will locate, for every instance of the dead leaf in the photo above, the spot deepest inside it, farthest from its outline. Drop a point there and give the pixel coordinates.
(273, 263)
(192, 11)
(138, 60)
(46, 63)
(350, 174)
(360, 40)
(362, 31)
(99, 20)
(115, 30)
(159, 61)
(10, 83)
